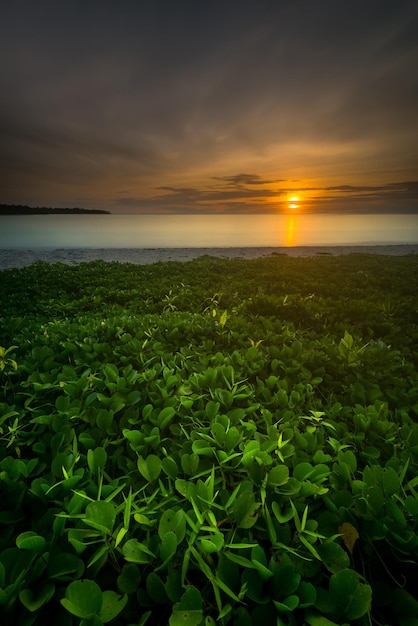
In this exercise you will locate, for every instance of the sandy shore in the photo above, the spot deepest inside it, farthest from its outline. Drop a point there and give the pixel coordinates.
(72, 256)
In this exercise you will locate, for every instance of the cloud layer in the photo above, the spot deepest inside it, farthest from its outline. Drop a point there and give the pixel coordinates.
(156, 106)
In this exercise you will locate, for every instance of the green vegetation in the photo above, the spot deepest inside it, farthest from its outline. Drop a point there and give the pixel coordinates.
(212, 442)
(21, 209)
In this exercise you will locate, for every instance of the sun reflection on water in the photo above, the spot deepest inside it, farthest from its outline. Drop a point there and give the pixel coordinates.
(290, 231)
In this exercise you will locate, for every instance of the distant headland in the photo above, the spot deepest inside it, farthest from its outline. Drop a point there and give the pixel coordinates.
(20, 209)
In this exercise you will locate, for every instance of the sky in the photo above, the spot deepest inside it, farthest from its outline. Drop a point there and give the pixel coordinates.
(188, 106)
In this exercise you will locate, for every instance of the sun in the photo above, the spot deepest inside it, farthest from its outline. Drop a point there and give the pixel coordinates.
(293, 202)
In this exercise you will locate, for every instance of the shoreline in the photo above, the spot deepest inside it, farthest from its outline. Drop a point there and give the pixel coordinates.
(17, 258)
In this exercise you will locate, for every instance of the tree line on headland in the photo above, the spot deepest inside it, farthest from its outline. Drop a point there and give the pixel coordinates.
(19, 209)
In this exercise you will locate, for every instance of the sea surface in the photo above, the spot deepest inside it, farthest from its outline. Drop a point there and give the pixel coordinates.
(36, 232)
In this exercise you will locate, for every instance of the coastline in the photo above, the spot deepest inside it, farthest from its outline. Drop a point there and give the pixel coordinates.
(17, 258)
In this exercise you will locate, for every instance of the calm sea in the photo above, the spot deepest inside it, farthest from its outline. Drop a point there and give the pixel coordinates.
(206, 231)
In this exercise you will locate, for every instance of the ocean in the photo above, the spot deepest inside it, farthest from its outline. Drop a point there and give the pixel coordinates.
(36, 232)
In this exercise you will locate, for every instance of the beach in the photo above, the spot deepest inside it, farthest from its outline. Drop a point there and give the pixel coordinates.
(143, 256)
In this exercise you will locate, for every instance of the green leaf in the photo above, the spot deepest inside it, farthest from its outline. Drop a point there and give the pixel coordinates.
(165, 417)
(188, 612)
(411, 505)
(173, 585)
(278, 475)
(99, 556)
(333, 556)
(251, 451)
(218, 431)
(101, 515)
(96, 459)
(83, 598)
(375, 498)
(144, 618)
(104, 419)
(112, 604)
(391, 482)
(92, 621)
(286, 581)
(65, 566)
(169, 467)
(309, 547)
(303, 470)
(289, 604)
(32, 603)
(29, 540)
(212, 410)
(232, 438)
(346, 345)
(240, 560)
(144, 520)
(307, 595)
(282, 518)
(133, 398)
(129, 578)
(135, 437)
(263, 571)
(245, 510)
(111, 372)
(348, 457)
(189, 464)
(168, 546)
(351, 595)
(220, 583)
(150, 468)
(136, 552)
(212, 543)
(259, 560)
(172, 521)
(253, 585)
(242, 617)
(202, 448)
(223, 319)
(156, 589)
(127, 509)
(314, 619)
(406, 606)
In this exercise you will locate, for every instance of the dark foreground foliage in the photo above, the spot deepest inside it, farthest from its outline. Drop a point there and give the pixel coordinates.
(229, 442)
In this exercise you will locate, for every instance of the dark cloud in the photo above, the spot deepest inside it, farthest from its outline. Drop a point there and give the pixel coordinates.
(407, 189)
(244, 179)
(390, 198)
(403, 196)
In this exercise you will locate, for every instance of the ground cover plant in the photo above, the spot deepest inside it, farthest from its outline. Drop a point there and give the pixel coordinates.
(211, 442)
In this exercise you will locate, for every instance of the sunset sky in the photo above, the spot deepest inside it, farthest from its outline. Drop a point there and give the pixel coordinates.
(188, 106)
